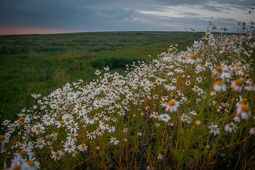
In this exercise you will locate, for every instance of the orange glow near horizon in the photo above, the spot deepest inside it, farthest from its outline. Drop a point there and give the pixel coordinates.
(27, 30)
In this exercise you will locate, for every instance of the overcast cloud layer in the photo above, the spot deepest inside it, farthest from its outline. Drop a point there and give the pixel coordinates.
(49, 16)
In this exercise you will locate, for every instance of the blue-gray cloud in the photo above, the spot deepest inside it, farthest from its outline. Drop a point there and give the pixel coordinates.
(114, 15)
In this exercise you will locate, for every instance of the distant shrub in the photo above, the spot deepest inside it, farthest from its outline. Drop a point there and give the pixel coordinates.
(10, 50)
(113, 62)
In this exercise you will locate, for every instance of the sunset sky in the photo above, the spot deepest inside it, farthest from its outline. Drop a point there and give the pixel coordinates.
(63, 16)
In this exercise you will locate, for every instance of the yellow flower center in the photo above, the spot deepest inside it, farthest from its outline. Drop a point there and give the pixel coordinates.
(30, 163)
(230, 125)
(17, 167)
(239, 82)
(219, 69)
(62, 122)
(244, 101)
(37, 128)
(214, 128)
(79, 108)
(171, 103)
(48, 120)
(83, 145)
(21, 119)
(182, 57)
(244, 70)
(245, 108)
(72, 126)
(193, 57)
(71, 95)
(23, 152)
(56, 154)
(72, 136)
(225, 71)
(219, 83)
(237, 69)
(39, 143)
(2, 138)
(69, 146)
(67, 119)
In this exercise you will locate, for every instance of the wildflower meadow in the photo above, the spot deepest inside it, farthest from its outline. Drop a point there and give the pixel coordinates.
(190, 109)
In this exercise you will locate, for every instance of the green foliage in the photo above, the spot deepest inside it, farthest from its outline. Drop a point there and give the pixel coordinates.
(114, 62)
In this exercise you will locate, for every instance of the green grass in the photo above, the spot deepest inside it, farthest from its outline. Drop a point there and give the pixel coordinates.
(42, 63)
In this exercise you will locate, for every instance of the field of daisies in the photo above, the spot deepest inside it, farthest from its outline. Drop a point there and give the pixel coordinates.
(190, 109)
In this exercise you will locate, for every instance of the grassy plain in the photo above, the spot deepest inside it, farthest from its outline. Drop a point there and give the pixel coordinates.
(42, 63)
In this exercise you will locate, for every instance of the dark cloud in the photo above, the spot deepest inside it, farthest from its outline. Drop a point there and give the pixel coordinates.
(183, 2)
(59, 14)
(211, 8)
(104, 15)
(240, 3)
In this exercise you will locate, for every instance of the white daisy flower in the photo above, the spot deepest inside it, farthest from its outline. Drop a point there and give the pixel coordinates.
(164, 117)
(160, 156)
(82, 147)
(244, 111)
(172, 105)
(37, 129)
(69, 147)
(252, 131)
(114, 140)
(31, 164)
(219, 86)
(214, 129)
(56, 155)
(237, 85)
(230, 127)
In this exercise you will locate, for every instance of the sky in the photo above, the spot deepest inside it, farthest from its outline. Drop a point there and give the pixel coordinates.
(65, 16)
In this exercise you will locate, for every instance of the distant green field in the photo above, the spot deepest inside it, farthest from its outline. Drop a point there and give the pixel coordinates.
(42, 63)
